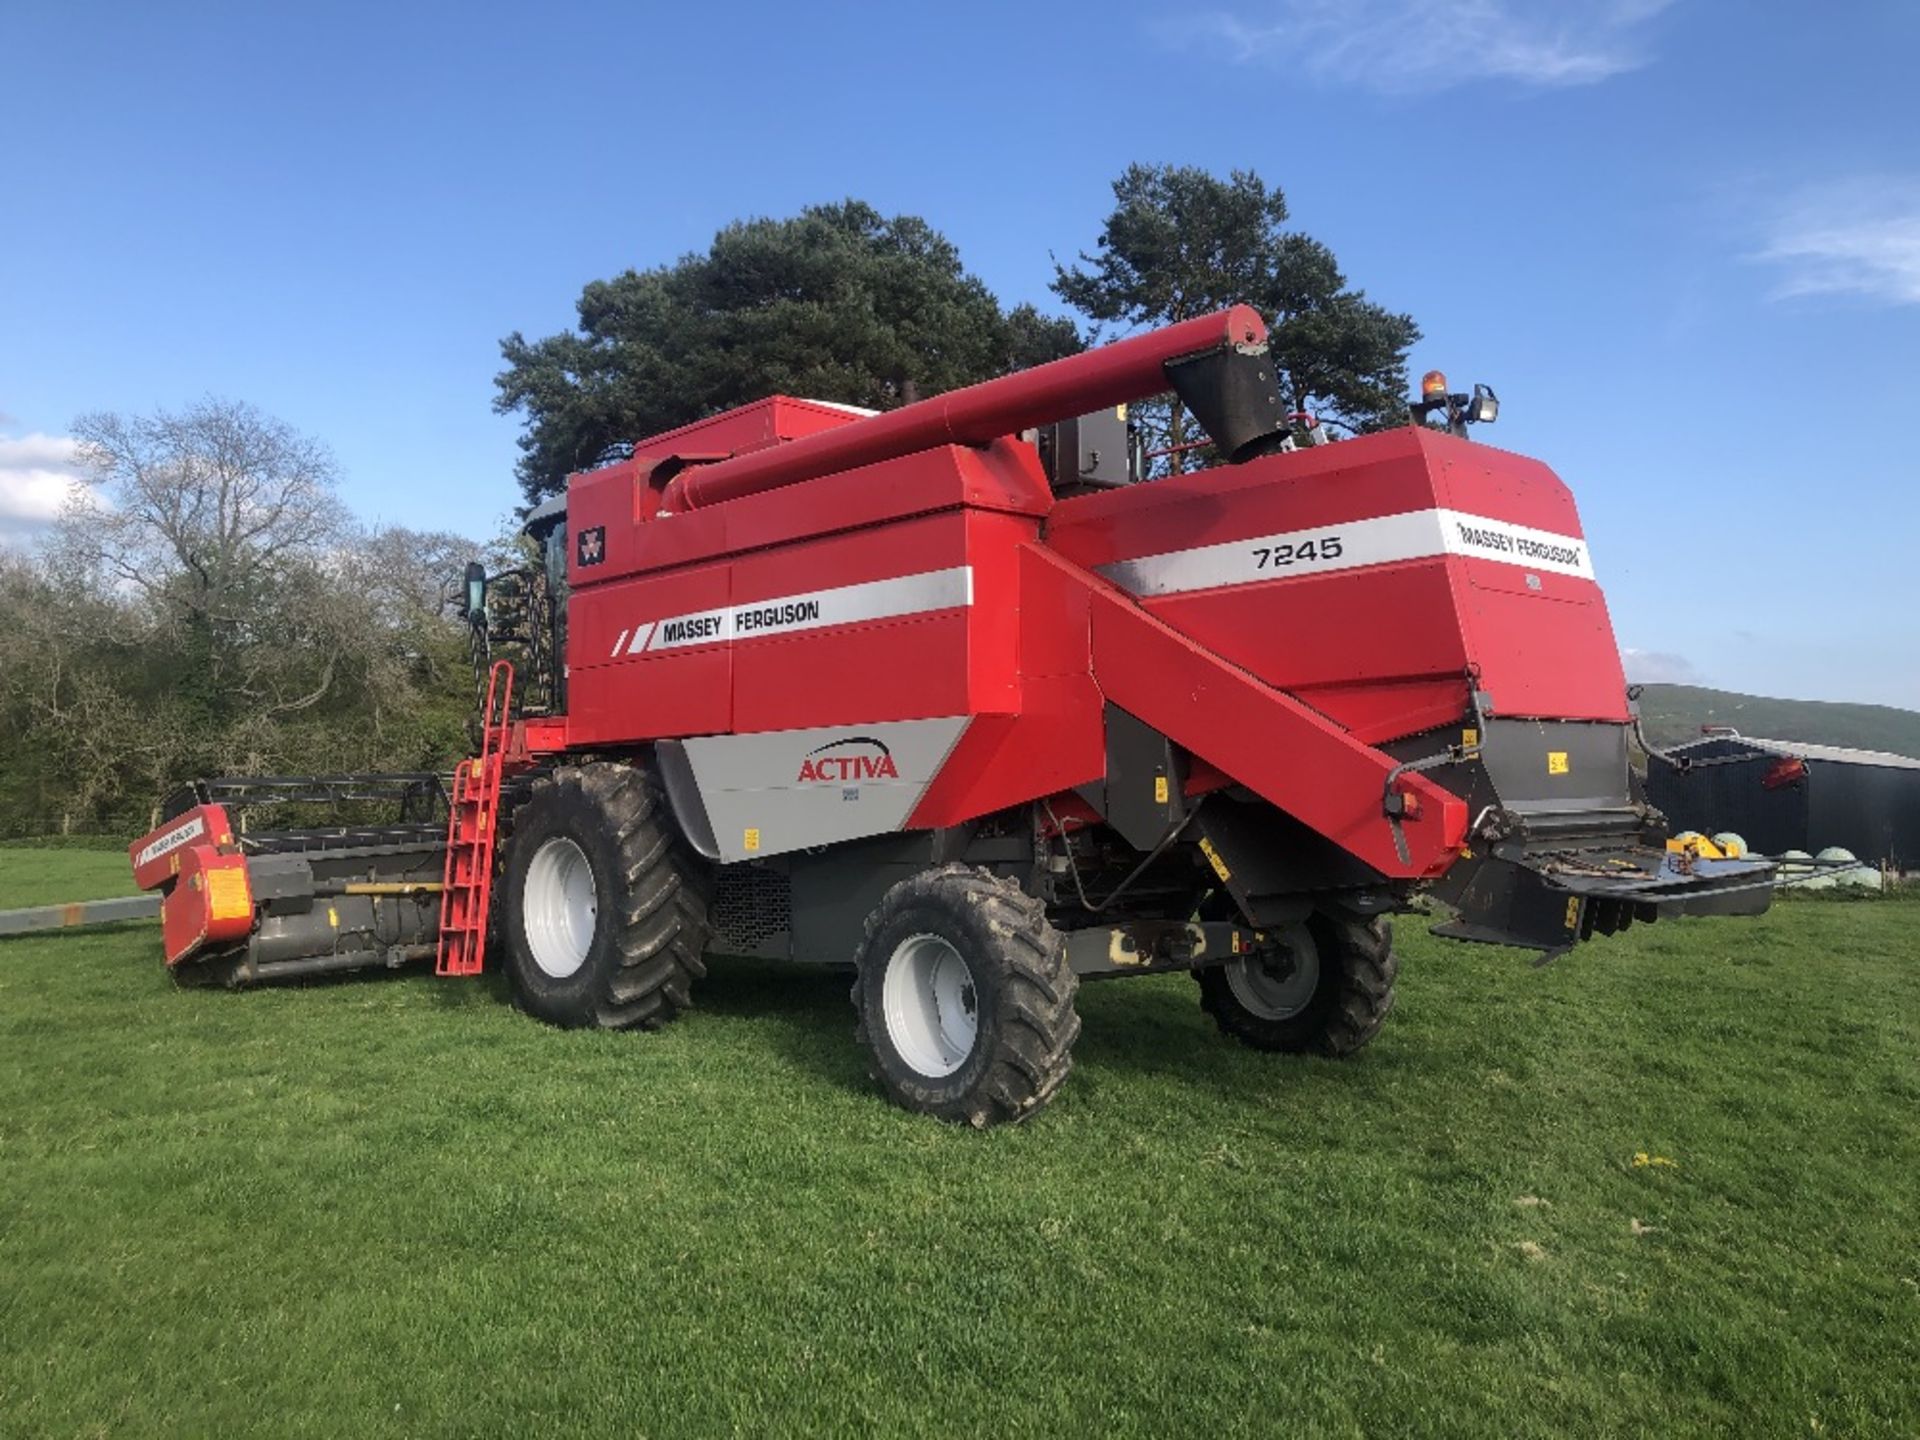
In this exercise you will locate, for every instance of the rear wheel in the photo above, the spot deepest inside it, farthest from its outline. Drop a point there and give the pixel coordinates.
(604, 915)
(1323, 986)
(965, 997)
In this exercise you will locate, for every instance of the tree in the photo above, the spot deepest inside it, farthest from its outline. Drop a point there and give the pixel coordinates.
(837, 303)
(1181, 242)
(74, 739)
(214, 610)
(203, 512)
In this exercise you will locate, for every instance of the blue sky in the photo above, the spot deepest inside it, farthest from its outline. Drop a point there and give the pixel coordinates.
(1681, 239)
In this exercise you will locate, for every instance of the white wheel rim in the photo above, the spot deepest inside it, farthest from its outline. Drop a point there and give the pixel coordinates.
(1265, 985)
(560, 906)
(932, 1009)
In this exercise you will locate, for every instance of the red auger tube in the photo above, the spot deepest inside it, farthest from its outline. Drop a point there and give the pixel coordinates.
(1114, 374)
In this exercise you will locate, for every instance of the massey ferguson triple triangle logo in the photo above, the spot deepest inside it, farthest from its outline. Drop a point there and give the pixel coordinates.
(860, 757)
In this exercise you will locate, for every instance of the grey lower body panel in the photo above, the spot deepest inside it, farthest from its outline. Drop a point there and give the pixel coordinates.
(813, 907)
(775, 792)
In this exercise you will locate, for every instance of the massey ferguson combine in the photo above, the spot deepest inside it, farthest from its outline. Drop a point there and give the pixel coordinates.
(948, 696)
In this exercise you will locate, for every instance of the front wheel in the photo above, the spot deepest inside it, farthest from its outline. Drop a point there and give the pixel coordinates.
(605, 917)
(1323, 986)
(965, 997)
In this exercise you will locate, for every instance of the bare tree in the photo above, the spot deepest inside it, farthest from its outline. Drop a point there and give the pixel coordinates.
(202, 512)
(79, 736)
(210, 609)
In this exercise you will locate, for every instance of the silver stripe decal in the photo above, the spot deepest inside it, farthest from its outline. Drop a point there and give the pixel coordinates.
(1349, 544)
(814, 610)
(171, 841)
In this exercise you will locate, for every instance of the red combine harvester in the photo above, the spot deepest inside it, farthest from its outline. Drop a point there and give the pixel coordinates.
(948, 695)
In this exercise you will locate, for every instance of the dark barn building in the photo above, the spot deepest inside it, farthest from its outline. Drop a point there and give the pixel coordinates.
(1781, 795)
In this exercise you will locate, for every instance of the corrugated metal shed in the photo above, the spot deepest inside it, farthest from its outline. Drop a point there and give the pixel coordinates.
(1801, 750)
(1863, 800)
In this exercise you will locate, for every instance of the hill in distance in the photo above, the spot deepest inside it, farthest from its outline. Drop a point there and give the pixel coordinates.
(1674, 713)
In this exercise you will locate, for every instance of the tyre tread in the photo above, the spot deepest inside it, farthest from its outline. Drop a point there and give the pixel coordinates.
(659, 948)
(1356, 996)
(1038, 1023)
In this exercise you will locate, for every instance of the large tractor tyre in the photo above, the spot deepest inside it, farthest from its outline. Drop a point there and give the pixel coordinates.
(1322, 987)
(605, 911)
(965, 997)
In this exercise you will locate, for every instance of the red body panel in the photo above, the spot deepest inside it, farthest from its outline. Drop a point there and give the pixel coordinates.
(1307, 765)
(210, 904)
(646, 697)
(1384, 649)
(1055, 738)
(1279, 619)
(1003, 476)
(192, 860)
(156, 855)
(942, 512)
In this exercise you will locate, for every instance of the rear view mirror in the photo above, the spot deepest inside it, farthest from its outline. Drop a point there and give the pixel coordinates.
(474, 600)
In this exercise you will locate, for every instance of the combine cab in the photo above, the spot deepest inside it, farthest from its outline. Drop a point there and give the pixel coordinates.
(949, 696)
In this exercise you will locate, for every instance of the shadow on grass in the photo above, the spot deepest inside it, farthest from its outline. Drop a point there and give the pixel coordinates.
(463, 992)
(801, 1011)
(738, 987)
(1147, 1027)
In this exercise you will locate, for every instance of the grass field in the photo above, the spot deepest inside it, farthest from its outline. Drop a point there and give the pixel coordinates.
(396, 1207)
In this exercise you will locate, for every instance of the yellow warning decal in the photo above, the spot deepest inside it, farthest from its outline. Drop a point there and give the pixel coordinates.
(1556, 762)
(1469, 738)
(751, 839)
(1573, 912)
(227, 897)
(1702, 847)
(1160, 791)
(1213, 859)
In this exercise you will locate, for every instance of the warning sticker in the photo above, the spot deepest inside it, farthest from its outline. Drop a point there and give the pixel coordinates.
(227, 897)
(1213, 859)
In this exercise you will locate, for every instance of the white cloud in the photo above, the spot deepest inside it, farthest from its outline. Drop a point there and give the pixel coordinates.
(1659, 667)
(38, 475)
(1849, 237)
(1425, 45)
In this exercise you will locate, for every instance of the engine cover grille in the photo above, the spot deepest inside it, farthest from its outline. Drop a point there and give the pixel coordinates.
(751, 906)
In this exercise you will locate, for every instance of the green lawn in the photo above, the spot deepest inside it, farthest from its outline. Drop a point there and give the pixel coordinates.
(51, 877)
(397, 1207)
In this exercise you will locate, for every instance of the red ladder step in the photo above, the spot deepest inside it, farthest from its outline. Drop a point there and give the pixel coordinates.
(472, 822)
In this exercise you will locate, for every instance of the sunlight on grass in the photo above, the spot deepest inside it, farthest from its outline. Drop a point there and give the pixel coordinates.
(394, 1205)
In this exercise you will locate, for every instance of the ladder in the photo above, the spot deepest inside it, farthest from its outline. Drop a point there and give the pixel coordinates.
(472, 820)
